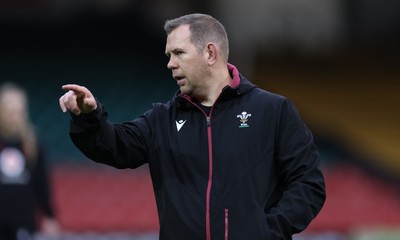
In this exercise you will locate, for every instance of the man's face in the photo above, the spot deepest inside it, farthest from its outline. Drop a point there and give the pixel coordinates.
(187, 63)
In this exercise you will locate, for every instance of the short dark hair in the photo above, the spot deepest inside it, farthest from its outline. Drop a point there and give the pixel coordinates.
(204, 28)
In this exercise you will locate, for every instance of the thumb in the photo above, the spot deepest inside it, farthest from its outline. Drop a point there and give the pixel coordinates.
(87, 104)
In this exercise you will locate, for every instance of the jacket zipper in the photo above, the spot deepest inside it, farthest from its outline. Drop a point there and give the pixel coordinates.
(210, 168)
(210, 172)
(226, 223)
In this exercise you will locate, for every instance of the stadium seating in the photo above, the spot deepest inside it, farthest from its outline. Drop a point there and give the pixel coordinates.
(101, 199)
(358, 107)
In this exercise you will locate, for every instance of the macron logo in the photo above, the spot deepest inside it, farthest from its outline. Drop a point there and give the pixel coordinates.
(179, 124)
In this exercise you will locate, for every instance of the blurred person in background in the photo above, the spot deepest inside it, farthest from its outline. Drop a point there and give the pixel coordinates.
(24, 186)
(228, 160)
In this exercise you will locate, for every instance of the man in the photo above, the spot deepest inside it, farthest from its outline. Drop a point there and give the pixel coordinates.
(228, 160)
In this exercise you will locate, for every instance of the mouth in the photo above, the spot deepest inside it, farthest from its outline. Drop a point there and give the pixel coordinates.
(179, 80)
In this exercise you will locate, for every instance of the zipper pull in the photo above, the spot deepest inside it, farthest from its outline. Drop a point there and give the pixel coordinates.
(208, 121)
(226, 224)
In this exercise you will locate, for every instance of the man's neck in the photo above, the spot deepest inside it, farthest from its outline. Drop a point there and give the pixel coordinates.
(219, 80)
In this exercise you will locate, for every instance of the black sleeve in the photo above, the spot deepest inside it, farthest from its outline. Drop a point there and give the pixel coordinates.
(302, 182)
(121, 145)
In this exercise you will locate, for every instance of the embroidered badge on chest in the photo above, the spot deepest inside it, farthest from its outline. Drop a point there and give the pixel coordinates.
(244, 118)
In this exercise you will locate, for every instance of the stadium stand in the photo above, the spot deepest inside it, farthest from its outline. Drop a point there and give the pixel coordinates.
(357, 106)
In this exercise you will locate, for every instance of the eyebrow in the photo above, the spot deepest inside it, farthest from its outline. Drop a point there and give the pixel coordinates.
(175, 50)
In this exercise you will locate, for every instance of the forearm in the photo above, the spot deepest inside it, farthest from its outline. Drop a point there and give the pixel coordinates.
(104, 142)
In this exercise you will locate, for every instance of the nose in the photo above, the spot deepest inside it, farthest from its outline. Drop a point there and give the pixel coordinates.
(172, 63)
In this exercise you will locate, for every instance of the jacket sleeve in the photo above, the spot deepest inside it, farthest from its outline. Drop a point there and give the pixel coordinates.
(301, 179)
(122, 145)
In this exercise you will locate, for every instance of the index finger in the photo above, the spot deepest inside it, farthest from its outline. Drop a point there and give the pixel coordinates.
(77, 89)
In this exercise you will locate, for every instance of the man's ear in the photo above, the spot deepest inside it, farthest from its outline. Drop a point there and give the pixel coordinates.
(212, 53)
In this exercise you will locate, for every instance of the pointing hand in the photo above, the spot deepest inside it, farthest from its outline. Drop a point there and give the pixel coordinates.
(78, 99)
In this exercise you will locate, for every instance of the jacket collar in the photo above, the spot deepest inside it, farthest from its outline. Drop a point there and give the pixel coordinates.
(239, 85)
